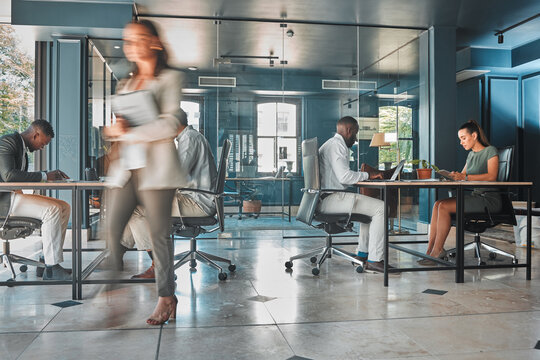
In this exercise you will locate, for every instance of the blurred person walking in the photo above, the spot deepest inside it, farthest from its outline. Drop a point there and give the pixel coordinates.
(147, 172)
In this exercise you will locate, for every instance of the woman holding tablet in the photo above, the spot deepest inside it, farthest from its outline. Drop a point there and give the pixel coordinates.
(482, 165)
(147, 171)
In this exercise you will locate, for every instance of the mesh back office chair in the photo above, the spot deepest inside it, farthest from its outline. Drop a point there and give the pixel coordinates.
(16, 228)
(191, 227)
(477, 223)
(330, 223)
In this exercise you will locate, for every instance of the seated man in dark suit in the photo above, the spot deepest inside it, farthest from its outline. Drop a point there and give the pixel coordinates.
(53, 213)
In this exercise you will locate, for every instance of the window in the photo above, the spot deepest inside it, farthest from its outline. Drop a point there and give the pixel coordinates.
(277, 136)
(392, 118)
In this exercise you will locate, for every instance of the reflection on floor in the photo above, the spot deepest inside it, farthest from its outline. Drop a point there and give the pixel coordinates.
(263, 312)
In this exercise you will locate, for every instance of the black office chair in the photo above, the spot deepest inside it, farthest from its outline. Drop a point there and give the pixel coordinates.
(477, 223)
(15, 227)
(330, 223)
(191, 227)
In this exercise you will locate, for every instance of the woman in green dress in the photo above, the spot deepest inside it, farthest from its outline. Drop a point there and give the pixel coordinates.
(482, 165)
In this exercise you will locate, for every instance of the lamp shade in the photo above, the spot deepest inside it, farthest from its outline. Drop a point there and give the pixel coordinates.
(378, 140)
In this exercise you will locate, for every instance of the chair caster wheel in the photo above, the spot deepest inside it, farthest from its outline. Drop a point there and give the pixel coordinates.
(482, 263)
(23, 268)
(222, 276)
(175, 277)
(359, 269)
(492, 256)
(232, 268)
(451, 254)
(315, 271)
(313, 259)
(9, 282)
(192, 264)
(514, 261)
(288, 264)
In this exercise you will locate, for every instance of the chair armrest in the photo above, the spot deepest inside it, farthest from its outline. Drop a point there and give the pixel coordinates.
(338, 190)
(199, 191)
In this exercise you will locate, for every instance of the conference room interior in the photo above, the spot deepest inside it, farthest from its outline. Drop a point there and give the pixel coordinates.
(267, 77)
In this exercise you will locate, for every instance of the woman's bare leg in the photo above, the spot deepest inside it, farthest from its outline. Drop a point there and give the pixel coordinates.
(447, 207)
(433, 227)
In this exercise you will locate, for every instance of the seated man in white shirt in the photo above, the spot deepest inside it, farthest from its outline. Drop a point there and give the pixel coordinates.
(335, 174)
(197, 161)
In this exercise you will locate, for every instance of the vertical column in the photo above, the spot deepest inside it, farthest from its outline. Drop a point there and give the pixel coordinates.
(437, 103)
(68, 108)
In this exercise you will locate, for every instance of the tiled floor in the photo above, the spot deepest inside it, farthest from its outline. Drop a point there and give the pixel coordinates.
(264, 312)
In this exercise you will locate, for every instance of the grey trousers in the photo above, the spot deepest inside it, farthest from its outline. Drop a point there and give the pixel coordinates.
(121, 204)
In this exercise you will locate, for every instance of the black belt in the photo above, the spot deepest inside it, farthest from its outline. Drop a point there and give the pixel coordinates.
(324, 195)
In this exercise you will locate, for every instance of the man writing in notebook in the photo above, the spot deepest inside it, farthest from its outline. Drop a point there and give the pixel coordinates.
(53, 213)
(335, 174)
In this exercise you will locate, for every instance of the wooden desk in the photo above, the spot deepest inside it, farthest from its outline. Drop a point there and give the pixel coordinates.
(460, 187)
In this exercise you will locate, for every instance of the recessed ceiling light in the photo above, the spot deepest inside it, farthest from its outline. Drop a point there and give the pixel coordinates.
(193, 68)
(117, 46)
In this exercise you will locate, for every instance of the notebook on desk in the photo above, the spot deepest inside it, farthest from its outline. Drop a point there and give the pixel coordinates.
(394, 176)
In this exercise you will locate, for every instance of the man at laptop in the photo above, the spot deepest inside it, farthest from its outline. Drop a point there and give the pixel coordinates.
(336, 174)
(53, 213)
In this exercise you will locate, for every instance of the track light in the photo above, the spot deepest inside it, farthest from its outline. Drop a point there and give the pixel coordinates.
(500, 38)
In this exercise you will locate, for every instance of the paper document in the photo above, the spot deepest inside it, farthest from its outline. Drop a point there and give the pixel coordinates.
(137, 107)
(445, 174)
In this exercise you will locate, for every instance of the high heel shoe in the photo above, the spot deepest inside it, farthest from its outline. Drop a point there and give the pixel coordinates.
(164, 316)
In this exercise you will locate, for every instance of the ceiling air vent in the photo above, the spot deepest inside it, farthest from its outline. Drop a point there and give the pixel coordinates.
(349, 85)
(217, 81)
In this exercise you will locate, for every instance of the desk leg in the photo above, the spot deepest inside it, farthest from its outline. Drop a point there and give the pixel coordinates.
(529, 220)
(460, 251)
(74, 243)
(78, 203)
(290, 198)
(385, 196)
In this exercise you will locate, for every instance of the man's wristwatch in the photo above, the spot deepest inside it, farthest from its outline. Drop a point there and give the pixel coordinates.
(466, 177)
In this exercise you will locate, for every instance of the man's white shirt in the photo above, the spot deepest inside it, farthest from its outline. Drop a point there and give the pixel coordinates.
(334, 165)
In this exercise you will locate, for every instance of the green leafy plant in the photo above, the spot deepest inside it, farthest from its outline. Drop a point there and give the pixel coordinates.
(424, 164)
(255, 194)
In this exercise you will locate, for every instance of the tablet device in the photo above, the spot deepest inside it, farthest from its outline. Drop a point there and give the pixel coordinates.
(137, 107)
(445, 174)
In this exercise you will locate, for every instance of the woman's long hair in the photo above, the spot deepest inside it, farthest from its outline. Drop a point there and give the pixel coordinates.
(162, 54)
(472, 127)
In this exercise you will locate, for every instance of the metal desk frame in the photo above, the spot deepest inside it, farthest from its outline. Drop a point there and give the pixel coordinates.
(460, 187)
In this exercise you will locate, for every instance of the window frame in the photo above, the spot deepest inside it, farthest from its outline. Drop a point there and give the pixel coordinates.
(276, 100)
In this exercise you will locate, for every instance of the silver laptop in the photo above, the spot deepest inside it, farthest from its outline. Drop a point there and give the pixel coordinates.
(394, 176)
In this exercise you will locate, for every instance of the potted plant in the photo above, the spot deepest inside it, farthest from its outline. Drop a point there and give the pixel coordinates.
(252, 204)
(424, 170)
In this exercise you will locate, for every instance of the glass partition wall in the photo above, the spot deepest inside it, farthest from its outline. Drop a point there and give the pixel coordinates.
(267, 86)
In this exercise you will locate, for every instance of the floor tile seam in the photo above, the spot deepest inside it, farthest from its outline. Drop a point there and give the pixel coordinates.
(218, 326)
(91, 330)
(27, 346)
(39, 333)
(159, 341)
(286, 341)
(402, 318)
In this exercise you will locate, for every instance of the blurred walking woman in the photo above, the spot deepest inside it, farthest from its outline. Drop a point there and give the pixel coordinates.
(147, 171)
(482, 165)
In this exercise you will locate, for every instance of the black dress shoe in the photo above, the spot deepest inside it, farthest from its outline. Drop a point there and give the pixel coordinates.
(39, 270)
(377, 266)
(56, 272)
